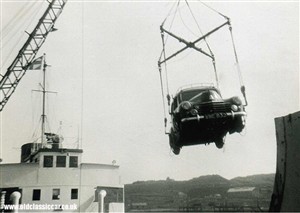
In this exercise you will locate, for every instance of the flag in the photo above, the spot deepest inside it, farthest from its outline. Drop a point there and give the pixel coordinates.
(36, 64)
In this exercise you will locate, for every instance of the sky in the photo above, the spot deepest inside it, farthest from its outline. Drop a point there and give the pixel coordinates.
(103, 61)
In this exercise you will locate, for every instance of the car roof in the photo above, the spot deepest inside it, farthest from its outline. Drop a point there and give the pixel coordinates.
(197, 87)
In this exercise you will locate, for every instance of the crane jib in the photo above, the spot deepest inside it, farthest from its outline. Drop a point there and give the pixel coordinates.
(27, 53)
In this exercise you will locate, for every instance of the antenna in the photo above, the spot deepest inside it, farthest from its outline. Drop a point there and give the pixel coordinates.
(43, 91)
(44, 99)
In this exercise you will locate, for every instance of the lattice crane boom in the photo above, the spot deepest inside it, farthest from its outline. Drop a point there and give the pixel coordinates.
(10, 80)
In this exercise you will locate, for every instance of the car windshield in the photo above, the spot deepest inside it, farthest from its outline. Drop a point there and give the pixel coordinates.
(200, 95)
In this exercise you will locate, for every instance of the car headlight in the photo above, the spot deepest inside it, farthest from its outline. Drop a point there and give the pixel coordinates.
(234, 108)
(194, 112)
(236, 100)
(186, 105)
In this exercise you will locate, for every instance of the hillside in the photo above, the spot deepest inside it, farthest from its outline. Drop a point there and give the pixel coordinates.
(170, 186)
(253, 180)
(166, 194)
(202, 181)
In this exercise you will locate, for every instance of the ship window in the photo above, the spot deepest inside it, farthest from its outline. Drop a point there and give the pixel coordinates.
(36, 194)
(60, 161)
(48, 161)
(55, 194)
(73, 161)
(74, 194)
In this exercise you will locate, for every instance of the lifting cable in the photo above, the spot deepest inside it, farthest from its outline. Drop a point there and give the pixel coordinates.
(243, 89)
(163, 97)
(166, 70)
(163, 54)
(208, 46)
(214, 10)
(21, 36)
(15, 19)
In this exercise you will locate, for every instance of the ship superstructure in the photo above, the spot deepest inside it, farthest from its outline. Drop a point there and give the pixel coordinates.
(54, 178)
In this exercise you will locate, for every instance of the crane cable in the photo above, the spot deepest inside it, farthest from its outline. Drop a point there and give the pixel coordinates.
(208, 46)
(163, 97)
(163, 54)
(221, 14)
(24, 10)
(243, 89)
(21, 36)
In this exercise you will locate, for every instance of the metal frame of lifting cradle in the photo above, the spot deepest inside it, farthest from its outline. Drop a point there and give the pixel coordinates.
(190, 44)
(163, 59)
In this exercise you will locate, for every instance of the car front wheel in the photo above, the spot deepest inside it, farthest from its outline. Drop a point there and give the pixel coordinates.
(175, 149)
(220, 142)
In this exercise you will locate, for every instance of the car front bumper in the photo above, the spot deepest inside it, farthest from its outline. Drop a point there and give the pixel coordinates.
(214, 116)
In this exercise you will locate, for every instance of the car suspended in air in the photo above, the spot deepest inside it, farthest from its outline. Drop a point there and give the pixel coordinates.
(199, 115)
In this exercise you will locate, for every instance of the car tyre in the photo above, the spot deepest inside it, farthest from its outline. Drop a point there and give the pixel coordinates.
(240, 124)
(220, 142)
(175, 149)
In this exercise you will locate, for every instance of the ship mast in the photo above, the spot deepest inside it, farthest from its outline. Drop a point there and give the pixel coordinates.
(44, 100)
(44, 91)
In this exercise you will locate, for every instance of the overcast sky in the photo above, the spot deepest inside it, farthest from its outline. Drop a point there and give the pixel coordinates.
(104, 69)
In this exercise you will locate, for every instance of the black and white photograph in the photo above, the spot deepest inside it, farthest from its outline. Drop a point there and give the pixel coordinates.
(149, 106)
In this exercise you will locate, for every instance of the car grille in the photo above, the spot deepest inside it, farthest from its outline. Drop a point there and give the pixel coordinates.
(213, 107)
